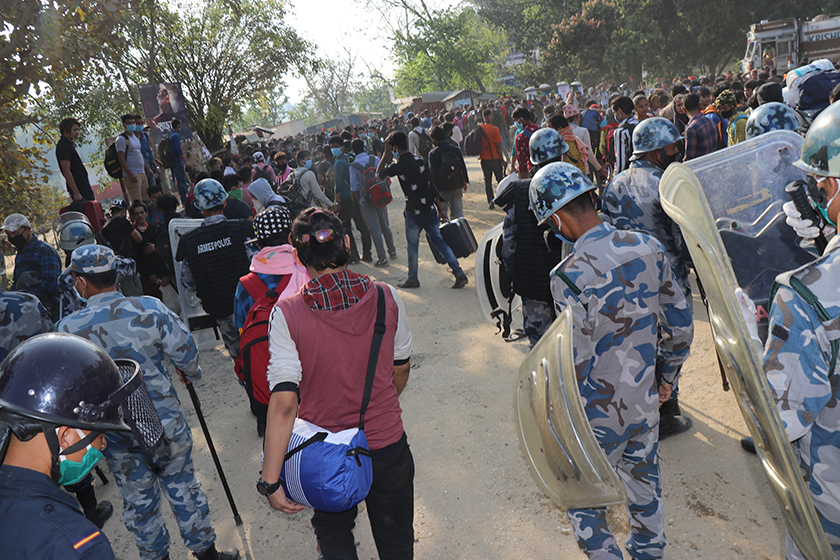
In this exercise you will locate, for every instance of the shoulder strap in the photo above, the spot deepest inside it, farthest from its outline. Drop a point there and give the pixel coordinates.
(572, 286)
(254, 285)
(378, 334)
(811, 299)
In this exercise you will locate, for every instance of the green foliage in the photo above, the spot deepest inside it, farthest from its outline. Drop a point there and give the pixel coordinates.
(45, 48)
(450, 49)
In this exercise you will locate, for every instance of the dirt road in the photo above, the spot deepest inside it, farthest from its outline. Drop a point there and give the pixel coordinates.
(474, 496)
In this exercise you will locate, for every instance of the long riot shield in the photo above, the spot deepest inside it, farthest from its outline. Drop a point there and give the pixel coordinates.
(556, 437)
(683, 199)
(201, 325)
(745, 189)
(493, 289)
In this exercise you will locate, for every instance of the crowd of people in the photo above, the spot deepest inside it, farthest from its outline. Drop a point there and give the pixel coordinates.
(583, 228)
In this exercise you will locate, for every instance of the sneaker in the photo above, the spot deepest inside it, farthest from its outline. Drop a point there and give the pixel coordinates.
(393, 255)
(101, 514)
(671, 425)
(748, 444)
(460, 282)
(407, 284)
(367, 258)
(213, 554)
(381, 263)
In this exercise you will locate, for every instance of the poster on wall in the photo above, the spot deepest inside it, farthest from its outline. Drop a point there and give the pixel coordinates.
(162, 103)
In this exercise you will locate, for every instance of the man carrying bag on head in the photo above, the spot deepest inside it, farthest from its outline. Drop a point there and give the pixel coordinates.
(326, 387)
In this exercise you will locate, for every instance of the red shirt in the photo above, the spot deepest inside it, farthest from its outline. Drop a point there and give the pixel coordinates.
(523, 153)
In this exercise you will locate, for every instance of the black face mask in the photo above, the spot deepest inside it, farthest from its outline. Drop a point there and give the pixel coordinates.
(18, 240)
(282, 167)
(727, 114)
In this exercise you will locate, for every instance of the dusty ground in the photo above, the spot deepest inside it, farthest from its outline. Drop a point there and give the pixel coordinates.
(474, 496)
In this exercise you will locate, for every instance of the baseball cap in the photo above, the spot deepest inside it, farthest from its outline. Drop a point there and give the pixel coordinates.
(14, 222)
(119, 203)
(92, 259)
(258, 157)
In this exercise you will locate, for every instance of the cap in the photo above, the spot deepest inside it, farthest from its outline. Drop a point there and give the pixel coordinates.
(595, 106)
(14, 222)
(92, 259)
(119, 203)
(570, 111)
(258, 157)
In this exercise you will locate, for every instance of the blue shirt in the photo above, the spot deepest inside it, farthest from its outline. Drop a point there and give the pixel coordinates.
(146, 149)
(177, 151)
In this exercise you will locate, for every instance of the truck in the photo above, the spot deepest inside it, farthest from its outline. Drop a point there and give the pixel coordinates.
(779, 46)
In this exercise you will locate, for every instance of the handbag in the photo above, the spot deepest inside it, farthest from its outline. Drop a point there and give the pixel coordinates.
(330, 471)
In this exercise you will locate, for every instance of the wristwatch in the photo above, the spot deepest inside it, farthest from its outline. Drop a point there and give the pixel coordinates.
(267, 489)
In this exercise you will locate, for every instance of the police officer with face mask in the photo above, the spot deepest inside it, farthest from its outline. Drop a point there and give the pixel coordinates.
(37, 265)
(58, 394)
(631, 202)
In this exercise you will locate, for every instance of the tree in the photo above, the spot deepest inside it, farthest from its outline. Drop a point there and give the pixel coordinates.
(44, 45)
(225, 55)
(447, 49)
(332, 87)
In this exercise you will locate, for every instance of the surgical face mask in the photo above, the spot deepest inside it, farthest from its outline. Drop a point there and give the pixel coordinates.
(308, 163)
(335, 151)
(282, 167)
(71, 472)
(77, 292)
(395, 153)
(823, 209)
(18, 240)
(559, 234)
(370, 134)
(130, 128)
(518, 125)
(727, 114)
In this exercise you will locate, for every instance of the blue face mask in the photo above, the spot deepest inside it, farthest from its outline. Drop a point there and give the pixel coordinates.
(129, 128)
(335, 151)
(395, 154)
(518, 126)
(308, 163)
(370, 134)
(559, 235)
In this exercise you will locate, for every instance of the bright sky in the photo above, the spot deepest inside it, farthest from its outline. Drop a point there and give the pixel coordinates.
(333, 24)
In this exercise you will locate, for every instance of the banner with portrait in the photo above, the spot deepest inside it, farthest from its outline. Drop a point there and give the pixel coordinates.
(161, 104)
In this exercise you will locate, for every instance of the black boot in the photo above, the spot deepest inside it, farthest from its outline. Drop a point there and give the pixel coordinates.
(97, 513)
(748, 444)
(670, 421)
(213, 554)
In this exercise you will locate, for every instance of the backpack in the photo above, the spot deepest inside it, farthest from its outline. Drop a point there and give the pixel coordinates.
(609, 142)
(472, 143)
(165, 154)
(112, 160)
(591, 120)
(450, 176)
(252, 363)
(814, 90)
(376, 191)
(292, 190)
(424, 144)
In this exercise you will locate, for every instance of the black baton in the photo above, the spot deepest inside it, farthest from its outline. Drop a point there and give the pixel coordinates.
(796, 191)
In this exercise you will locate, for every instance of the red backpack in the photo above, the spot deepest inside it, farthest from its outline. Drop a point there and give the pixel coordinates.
(609, 141)
(252, 363)
(376, 191)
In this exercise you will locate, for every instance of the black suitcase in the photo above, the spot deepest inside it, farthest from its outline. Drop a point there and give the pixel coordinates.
(459, 236)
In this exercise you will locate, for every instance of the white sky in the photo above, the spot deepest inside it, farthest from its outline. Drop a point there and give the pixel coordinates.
(333, 24)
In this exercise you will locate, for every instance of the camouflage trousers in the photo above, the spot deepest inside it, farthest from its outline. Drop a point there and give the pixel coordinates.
(537, 317)
(637, 466)
(230, 336)
(823, 482)
(141, 478)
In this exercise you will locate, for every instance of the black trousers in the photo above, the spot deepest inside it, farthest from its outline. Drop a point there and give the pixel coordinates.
(390, 508)
(348, 216)
(490, 167)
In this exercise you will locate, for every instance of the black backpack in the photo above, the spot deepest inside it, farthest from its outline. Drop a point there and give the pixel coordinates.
(112, 160)
(450, 175)
(424, 144)
(292, 190)
(164, 152)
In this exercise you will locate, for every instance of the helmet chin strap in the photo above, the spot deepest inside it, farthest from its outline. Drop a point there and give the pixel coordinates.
(52, 443)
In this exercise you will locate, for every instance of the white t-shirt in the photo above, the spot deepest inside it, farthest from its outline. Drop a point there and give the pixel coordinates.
(457, 135)
(133, 156)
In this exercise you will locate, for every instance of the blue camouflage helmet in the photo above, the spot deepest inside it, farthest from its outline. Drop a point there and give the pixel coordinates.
(546, 144)
(771, 116)
(208, 193)
(654, 134)
(821, 150)
(92, 259)
(554, 186)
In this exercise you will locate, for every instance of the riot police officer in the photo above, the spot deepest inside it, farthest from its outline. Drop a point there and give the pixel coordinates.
(58, 394)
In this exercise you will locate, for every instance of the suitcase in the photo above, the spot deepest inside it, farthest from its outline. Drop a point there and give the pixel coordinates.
(459, 236)
(90, 208)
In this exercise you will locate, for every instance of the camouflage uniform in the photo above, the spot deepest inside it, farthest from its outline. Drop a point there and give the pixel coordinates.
(145, 330)
(70, 302)
(21, 316)
(625, 303)
(797, 361)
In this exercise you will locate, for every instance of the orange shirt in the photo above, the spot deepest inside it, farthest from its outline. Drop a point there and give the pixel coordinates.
(495, 137)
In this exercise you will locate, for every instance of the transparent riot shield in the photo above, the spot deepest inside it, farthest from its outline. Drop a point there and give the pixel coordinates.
(201, 325)
(555, 434)
(683, 199)
(491, 288)
(745, 189)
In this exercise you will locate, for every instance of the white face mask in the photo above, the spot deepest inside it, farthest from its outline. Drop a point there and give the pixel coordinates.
(78, 294)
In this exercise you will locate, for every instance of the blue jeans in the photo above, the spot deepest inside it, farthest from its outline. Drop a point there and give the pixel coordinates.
(180, 179)
(429, 222)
